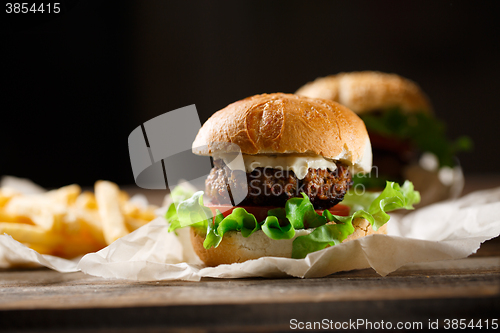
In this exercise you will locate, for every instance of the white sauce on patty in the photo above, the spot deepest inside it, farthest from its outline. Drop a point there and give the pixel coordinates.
(297, 163)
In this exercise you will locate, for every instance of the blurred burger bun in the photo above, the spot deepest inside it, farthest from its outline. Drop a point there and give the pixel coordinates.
(368, 91)
(373, 93)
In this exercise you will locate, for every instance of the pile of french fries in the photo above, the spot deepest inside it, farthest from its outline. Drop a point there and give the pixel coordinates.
(68, 222)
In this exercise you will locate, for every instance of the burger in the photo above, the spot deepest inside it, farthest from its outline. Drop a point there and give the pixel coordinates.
(293, 186)
(399, 119)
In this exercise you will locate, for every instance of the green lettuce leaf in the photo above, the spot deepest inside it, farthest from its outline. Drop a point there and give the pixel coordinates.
(172, 218)
(238, 220)
(179, 194)
(360, 201)
(298, 213)
(272, 228)
(392, 197)
(426, 132)
(371, 206)
(213, 238)
(192, 212)
(279, 213)
(277, 226)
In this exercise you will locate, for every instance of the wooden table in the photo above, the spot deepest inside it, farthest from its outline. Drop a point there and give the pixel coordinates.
(41, 299)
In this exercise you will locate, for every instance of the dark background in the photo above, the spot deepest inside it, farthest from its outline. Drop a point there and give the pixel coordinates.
(77, 83)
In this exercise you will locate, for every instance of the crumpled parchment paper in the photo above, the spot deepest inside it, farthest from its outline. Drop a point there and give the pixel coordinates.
(449, 230)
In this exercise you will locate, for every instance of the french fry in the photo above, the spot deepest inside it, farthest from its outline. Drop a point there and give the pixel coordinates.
(124, 197)
(148, 214)
(86, 200)
(108, 201)
(66, 195)
(134, 223)
(68, 222)
(133, 210)
(33, 234)
(6, 217)
(6, 194)
(76, 246)
(42, 249)
(37, 208)
(71, 224)
(89, 221)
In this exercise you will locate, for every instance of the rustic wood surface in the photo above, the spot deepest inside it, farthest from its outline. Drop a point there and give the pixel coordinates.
(43, 288)
(41, 299)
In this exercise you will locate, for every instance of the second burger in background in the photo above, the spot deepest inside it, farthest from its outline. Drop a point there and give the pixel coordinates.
(408, 141)
(299, 155)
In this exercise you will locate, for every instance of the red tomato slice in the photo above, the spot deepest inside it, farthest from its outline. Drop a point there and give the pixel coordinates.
(260, 212)
(338, 209)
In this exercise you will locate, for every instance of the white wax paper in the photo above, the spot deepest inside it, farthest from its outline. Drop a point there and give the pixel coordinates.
(448, 230)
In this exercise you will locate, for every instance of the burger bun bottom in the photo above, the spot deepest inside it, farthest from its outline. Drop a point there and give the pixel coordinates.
(234, 248)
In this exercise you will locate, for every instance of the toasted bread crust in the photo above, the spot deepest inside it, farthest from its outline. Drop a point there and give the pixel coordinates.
(284, 124)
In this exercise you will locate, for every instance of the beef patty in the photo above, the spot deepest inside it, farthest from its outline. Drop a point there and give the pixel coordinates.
(273, 187)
